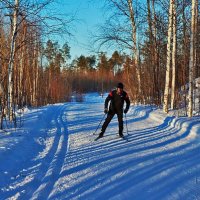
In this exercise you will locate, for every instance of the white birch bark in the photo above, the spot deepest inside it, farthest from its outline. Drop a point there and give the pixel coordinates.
(191, 63)
(135, 47)
(167, 78)
(11, 60)
(173, 58)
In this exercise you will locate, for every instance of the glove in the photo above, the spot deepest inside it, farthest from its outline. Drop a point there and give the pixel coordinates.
(106, 110)
(126, 110)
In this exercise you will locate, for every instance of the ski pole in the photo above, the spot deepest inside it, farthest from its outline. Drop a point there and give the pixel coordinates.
(126, 125)
(99, 124)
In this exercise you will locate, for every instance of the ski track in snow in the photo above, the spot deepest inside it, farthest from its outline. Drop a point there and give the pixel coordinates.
(57, 158)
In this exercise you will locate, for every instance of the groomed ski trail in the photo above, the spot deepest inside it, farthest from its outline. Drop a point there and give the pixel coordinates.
(160, 161)
(62, 160)
(38, 160)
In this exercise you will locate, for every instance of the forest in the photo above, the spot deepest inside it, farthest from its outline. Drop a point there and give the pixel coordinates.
(157, 55)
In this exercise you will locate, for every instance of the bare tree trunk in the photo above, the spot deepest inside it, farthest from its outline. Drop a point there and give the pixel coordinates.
(195, 49)
(21, 66)
(167, 78)
(49, 86)
(135, 47)
(184, 99)
(152, 54)
(36, 82)
(35, 65)
(153, 51)
(173, 90)
(156, 57)
(2, 108)
(11, 61)
(191, 63)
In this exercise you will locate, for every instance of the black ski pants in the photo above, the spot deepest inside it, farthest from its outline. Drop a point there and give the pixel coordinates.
(109, 118)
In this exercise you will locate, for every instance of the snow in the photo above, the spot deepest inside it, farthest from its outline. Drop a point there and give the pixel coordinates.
(54, 155)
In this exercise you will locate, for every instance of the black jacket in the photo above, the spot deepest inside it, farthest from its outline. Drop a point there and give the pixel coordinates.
(117, 101)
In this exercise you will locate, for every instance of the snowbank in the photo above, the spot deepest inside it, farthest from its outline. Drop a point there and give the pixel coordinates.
(192, 125)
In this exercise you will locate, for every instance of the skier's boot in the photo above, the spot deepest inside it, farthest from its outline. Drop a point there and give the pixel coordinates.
(121, 135)
(101, 134)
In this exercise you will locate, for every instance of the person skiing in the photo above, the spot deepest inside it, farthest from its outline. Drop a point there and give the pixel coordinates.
(116, 99)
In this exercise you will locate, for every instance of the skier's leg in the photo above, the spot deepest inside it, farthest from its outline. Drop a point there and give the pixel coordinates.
(120, 121)
(105, 124)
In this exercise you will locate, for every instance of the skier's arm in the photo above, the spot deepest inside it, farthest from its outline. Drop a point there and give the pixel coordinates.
(108, 98)
(127, 102)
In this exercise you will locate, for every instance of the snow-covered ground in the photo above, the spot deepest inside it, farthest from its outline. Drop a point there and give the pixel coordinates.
(54, 155)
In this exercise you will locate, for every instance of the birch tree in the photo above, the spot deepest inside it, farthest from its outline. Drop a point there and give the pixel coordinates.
(167, 78)
(11, 60)
(192, 57)
(135, 46)
(173, 58)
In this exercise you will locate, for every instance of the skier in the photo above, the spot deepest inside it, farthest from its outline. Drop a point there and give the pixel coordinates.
(116, 99)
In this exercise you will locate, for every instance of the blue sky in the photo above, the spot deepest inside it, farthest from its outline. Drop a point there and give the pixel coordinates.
(88, 14)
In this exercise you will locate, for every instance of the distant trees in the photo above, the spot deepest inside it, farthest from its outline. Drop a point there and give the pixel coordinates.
(83, 76)
(56, 60)
(95, 73)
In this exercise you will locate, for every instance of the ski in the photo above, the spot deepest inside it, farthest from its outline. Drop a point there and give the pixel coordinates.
(97, 138)
(123, 138)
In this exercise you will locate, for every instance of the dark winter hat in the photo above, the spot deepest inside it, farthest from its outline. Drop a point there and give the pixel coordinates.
(120, 85)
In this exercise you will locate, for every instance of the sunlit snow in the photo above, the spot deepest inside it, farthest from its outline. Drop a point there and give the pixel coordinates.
(54, 155)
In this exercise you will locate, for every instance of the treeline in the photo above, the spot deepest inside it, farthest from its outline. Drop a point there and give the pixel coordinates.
(95, 73)
(160, 54)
